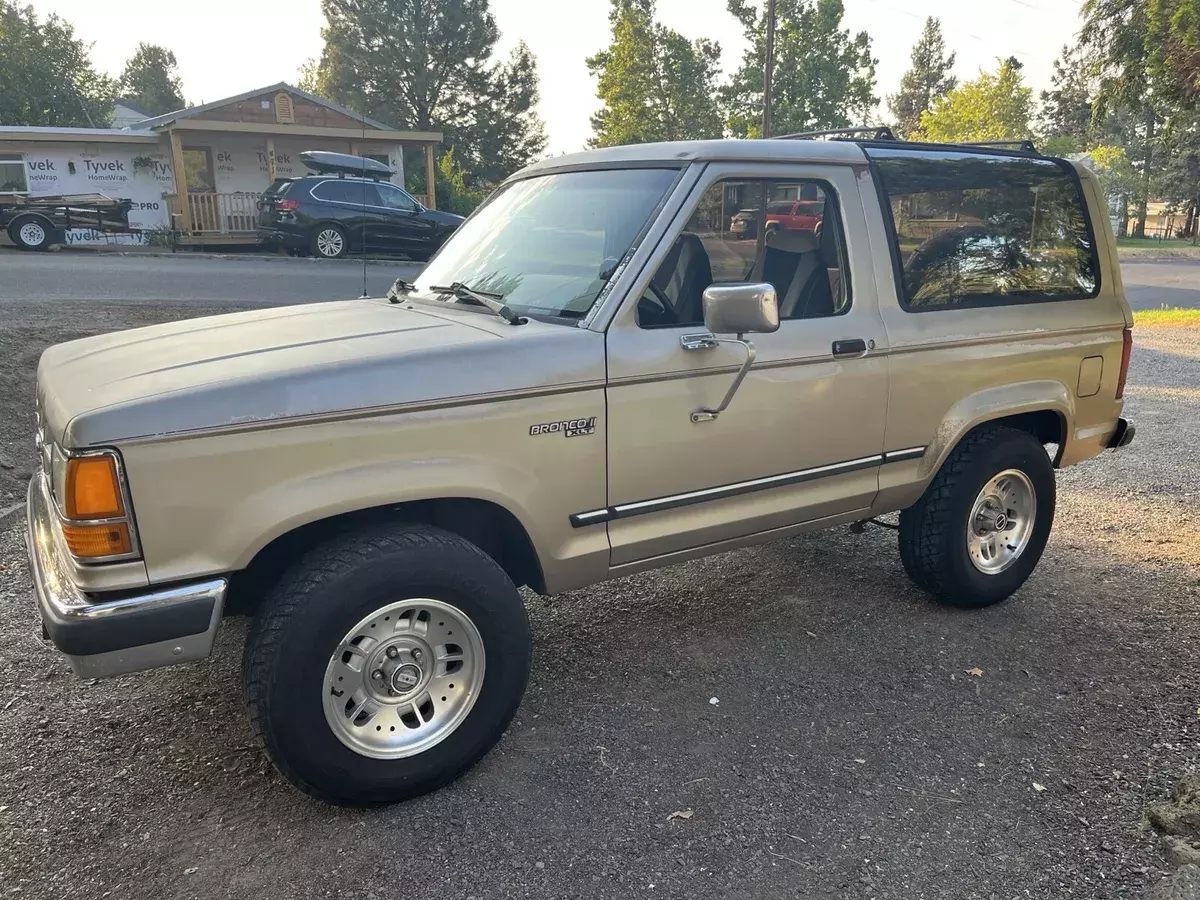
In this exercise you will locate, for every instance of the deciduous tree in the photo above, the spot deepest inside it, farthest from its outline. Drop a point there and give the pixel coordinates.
(655, 84)
(927, 78)
(992, 107)
(824, 77)
(46, 77)
(151, 81)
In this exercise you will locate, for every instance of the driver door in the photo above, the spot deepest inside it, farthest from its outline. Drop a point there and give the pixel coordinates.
(802, 439)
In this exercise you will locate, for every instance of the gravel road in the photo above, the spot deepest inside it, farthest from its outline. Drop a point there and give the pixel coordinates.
(850, 755)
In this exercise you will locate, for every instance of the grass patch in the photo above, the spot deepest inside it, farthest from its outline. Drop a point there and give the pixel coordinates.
(1153, 243)
(1167, 316)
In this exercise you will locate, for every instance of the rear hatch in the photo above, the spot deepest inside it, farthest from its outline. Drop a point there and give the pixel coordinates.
(268, 203)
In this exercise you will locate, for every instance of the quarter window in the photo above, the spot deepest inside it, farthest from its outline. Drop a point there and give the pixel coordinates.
(978, 230)
(784, 232)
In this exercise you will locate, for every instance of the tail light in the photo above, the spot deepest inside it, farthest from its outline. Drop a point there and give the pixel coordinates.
(1126, 348)
(287, 205)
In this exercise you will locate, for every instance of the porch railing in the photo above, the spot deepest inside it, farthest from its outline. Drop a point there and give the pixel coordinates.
(215, 214)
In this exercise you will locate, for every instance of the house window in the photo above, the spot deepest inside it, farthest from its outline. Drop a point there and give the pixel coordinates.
(197, 162)
(12, 175)
(285, 112)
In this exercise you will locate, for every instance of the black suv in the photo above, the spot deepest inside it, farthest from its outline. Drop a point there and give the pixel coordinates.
(332, 215)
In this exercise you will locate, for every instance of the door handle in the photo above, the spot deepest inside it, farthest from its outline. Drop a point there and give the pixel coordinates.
(850, 347)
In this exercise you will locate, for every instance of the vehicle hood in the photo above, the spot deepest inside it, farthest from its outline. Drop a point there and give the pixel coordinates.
(295, 362)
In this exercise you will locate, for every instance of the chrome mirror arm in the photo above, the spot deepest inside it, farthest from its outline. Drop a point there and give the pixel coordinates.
(710, 341)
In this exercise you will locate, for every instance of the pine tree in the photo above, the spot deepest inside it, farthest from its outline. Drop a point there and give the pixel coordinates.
(656, 84)
(926, 79)
(430, 65)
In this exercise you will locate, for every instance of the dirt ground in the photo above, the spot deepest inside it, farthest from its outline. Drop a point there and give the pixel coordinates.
(850, 754)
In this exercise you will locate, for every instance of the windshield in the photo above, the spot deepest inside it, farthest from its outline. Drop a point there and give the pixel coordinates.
(550, 243)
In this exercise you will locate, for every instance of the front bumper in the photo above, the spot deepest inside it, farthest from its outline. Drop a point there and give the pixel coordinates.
(128, 632)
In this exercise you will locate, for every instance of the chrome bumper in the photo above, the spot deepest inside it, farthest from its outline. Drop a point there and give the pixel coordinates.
(133, 631)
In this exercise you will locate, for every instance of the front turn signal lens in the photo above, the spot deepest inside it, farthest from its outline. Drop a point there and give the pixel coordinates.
(93, 491)
(93, 541)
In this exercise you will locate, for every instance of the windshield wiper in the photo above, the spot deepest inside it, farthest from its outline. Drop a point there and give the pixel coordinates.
(490, 299)
(400, 286)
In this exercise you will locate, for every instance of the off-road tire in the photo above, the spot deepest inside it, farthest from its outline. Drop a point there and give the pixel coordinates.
(314, 604)
(933, 546)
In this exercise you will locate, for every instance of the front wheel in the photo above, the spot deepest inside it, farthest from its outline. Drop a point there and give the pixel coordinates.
(980, 528)
(386, 664)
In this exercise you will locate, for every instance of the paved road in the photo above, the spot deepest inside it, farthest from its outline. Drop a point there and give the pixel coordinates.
(1151, 283)
(271, 282)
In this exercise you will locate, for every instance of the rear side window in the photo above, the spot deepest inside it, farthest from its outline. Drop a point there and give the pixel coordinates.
(978, 230)
(356, 192)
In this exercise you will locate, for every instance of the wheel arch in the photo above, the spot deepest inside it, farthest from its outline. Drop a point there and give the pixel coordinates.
(485, 523)
(1044, 409)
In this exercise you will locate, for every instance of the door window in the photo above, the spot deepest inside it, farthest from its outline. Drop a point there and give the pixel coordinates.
(978, 230)
(197, 163)
(358, 193)
(394, 198)
(754, 230)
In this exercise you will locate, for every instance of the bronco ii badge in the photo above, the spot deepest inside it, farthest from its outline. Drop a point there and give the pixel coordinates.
(568, 427)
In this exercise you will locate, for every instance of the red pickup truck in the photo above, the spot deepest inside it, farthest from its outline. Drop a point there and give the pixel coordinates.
(792, 215)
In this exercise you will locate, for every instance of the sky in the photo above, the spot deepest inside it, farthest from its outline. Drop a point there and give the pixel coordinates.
(239, 45)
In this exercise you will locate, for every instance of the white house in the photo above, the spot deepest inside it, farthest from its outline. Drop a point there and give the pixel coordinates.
(229, 152)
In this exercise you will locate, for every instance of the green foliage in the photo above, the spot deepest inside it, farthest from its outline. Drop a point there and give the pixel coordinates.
(46, 77)
(150, 80)
(1117, 174)
(1173, 36)
(992, 107)
(1065, 124)
(452, 191)
(656, 85)
(926, 79)
(824, 76)
(429, 65)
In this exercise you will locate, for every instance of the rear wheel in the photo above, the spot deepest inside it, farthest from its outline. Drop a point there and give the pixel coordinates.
(386, 664)
(29, 233)
(329, 242)
(980, 528)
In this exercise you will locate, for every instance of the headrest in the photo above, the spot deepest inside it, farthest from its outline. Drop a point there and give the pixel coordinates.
(792, 241)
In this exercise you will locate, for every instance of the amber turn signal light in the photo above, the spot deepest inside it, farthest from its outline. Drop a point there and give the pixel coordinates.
(93, 491)
(92, 541)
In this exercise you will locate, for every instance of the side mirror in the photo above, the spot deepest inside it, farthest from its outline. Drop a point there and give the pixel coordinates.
(751, 308)
(733, 309)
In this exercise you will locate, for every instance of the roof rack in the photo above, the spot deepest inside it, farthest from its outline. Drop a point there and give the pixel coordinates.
(875, 132)
(884, 136)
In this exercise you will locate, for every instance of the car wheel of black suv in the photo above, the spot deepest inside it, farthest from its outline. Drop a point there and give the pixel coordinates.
(385, 663)
(981, 526)
(329, 241)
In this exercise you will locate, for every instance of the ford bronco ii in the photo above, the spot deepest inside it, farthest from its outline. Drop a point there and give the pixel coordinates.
(597, 375)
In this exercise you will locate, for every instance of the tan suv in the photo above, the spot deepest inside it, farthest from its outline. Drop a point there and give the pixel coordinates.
(595, 376)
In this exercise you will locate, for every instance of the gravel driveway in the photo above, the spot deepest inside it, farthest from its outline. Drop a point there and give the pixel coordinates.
(850, 753)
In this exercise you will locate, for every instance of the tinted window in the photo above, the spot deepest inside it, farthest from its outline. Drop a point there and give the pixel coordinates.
(980, 230)
(731, 237)
(394, 198)
(550, 243)
(356, 192)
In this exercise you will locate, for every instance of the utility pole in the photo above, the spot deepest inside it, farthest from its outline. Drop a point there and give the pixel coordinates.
(768, 69)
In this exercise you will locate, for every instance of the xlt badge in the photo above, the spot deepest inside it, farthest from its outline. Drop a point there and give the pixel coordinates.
(568, 427)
